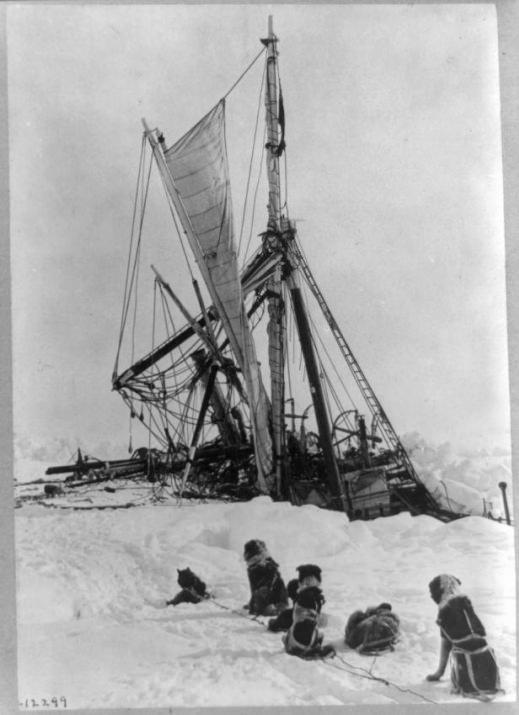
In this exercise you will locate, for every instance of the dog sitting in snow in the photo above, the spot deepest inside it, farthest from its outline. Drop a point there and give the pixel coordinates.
(303, 637)
(309, 575)
(268, 591)
(193, 588)
(283, 621)
(474, 671)
(372, 631)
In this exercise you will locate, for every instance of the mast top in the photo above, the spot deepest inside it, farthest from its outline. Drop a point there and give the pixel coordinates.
(271, 38)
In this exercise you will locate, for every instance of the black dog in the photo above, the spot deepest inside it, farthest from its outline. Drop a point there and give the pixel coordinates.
(309, 575)
(283, 621)
(268, 592)
(303, 637)
(474, 671)
(193, 588)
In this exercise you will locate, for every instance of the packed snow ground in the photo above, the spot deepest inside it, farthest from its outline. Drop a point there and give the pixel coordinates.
(93, 627)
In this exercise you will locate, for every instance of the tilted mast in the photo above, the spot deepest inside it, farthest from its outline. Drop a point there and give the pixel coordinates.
(279, 237)
(276, 326)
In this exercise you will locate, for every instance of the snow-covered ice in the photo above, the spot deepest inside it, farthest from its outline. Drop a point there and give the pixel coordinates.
(93, 627)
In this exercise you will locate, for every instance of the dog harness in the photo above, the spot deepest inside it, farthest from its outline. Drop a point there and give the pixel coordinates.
(257, 559)
(309, 581)
(291, 643)
(474, 670)
(192, 590)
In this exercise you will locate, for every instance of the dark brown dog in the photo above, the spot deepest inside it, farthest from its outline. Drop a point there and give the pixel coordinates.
(283, 621)
(303, 637)
(268, 591)
(193, 588)
(309, 575)
(474, 671)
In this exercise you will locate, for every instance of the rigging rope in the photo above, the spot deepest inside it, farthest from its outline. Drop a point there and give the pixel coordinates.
(256, 195)
(370, 676)
(326, 661)
(136, 265)
(126, 299)
(263, 49)
(332, 362)
(251, 161)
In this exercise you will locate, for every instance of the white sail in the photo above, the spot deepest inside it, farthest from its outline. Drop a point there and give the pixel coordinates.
(198, 166)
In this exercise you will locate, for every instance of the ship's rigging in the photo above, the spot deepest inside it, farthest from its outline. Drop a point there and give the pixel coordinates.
(218, 420)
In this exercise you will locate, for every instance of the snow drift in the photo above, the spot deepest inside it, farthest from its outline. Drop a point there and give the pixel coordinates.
(91, 588)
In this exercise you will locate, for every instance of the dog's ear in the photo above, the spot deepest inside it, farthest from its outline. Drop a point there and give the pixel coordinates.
(435, 589)
(457, 579)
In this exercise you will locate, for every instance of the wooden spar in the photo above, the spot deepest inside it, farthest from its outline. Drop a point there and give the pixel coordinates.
(226, 426)
(208, 325)
(210, 381)
(166, 347)
(213, 396)
(275, 302)
(263, 267)
(176, 341)
(321, 413)
(193, 323)
(271, 107)
(95, 464)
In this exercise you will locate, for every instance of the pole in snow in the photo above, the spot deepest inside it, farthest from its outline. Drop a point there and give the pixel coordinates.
(502, 486)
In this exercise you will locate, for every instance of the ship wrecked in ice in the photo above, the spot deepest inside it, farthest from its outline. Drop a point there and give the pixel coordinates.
(300, 424)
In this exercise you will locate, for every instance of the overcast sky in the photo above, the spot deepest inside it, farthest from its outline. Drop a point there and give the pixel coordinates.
(394, 158)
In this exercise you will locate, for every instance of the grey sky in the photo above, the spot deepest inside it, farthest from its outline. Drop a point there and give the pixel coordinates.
(394, 170)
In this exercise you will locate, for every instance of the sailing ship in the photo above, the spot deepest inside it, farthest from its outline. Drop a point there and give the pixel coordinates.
(220, 421)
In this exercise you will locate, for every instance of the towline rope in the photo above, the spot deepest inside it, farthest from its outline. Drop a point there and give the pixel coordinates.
(326, 661)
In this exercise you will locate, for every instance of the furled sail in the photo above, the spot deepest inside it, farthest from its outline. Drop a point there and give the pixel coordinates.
(198, 166)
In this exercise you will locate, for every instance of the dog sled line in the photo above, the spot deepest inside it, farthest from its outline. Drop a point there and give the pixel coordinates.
(372, 632)
(305, 425)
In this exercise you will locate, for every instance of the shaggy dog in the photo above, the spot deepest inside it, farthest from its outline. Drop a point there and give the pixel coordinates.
(268, 592)
(193, 588)
(303, 637)
(373, 630)
(283, 621)
(474, 671)
(309, 575)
